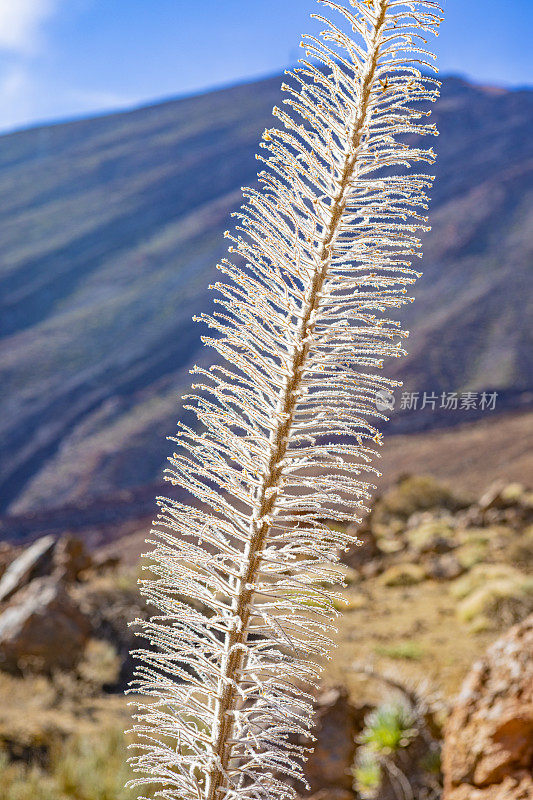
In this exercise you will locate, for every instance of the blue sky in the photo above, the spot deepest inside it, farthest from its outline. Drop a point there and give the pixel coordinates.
(65, 58)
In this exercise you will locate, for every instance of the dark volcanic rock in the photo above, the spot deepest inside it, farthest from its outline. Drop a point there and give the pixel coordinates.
(34, 561)
(8, 553)
(366, 550)
(70, 558)
(66, 558)
(338, 723)
(43, 629)
(444, 568)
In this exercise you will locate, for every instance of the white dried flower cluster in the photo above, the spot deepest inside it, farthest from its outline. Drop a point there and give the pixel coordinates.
(284, 438)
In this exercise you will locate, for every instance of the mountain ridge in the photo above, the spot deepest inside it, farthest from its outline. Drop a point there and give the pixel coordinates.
(111, 229)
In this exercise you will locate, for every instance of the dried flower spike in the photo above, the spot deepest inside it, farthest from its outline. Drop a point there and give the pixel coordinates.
(284, 435)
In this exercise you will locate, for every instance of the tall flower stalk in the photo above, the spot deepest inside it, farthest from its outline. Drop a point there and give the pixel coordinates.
(284, 437)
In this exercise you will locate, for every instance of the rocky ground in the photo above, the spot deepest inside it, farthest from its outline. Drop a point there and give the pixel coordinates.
(439, 578)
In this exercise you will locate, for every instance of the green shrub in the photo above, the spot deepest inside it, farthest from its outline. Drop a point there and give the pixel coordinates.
(100, 665)
(20, 782)
(93, 768)
(432, 761)
(403, 575)
(367, 774)
(480, 576)
(417, 493)
(501, 602)
(424, 538)
(521, 551)
(389, 728)
(83, 768)
(472, 553)
(408, 651)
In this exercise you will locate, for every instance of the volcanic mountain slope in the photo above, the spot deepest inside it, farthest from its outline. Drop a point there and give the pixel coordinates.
(110, 231)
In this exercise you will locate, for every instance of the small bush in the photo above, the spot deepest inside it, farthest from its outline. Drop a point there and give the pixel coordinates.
(521, 551)
(472, 553)
(85, 768)
(20, 782)
(403, 575)
(367, 774)
(480, 576)
(93, 768)
(100, 665)
(432, 762)
(388, 728)
(513, 493)
(408, 651)
(418, 493)
(435, 535)
(501, 602)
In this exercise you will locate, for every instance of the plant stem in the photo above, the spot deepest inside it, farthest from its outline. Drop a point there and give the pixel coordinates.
(267, 492)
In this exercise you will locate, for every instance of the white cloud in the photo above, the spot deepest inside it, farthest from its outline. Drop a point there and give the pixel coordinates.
(21, 22)
(28, 95)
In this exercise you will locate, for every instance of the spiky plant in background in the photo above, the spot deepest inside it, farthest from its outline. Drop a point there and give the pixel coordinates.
(399, 752)
(284, 438)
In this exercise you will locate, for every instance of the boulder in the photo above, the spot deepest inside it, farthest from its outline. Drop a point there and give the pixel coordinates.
(501, 496)
(43, 629)
(365, 551)
(488, 750)
(34, 561)
(8, 553)
(70, 558)
(102, 562)
(517, 788)
(66, 558)
(510, 504)
(338, 723)
(444, 568)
